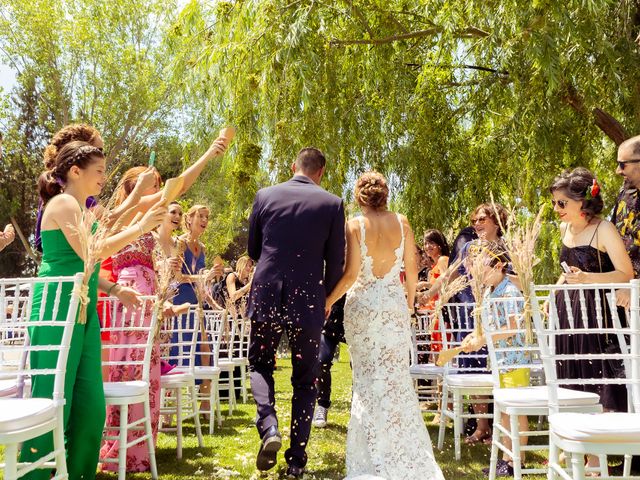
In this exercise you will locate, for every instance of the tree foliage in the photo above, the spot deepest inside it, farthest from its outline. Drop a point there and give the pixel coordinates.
(451, 100)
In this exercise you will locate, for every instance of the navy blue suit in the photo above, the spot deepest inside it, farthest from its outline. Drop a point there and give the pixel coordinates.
(297, 237)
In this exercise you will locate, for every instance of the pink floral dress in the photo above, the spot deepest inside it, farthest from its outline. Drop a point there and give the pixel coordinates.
(133, 267)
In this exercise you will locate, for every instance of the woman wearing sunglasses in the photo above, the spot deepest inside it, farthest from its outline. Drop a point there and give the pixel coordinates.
(486, 220)
(594, 253)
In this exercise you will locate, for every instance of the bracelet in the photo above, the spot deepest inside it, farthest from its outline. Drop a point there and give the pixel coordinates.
(111, 288)
(140, 227)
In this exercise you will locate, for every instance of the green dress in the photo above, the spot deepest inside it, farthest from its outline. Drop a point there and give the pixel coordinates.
(84, 410)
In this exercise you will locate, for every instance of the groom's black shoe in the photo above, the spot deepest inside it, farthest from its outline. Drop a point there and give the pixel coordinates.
(268, 453)
(295, 472)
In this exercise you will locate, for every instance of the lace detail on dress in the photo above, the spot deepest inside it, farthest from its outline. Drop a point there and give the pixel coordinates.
(387, 438)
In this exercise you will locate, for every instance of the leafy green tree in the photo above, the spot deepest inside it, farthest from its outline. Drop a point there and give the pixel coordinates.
(452, 100)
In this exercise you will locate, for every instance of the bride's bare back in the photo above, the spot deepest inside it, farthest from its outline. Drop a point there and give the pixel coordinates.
(383, 236)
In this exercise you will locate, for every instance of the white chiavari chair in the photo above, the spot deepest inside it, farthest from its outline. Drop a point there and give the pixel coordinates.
(211, 372)
(506, 357)
(22, 419)
(426, 375)
(131, 340)
(178, 336)
(580, 434)
(466, 379)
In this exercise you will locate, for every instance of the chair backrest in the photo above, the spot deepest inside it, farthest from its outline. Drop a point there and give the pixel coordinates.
(130, 335)
(456, 322)
(213, 328)
(178, 336)
(229, 341)
(23, 347)
(507, 333)
(580, 314)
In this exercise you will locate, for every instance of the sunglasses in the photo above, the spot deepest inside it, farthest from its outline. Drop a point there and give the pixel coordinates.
(561, 203)
(479, 220)
(622, 164)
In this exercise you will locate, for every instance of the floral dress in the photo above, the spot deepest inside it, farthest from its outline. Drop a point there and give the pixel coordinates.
(133, 267)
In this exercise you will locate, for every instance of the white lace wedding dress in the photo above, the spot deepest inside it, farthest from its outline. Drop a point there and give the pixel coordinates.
(387, 438)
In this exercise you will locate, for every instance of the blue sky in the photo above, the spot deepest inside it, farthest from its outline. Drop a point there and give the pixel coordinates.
(7, 77)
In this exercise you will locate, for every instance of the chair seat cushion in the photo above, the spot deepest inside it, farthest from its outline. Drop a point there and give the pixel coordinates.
(609, 427)
(9, 387)
(207, 371)
(470, 380)
(177, 380)
(425, 369)
(539, 397)
(21, 413)
(125, 389)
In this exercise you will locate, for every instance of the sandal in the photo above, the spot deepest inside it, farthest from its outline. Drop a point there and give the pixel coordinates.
(477, 437)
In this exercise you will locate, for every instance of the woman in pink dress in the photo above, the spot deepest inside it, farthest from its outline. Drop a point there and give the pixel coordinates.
(133, 267)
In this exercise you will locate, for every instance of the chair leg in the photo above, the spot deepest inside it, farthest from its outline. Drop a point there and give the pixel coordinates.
(196, 417)
(232, 391)
(179, 422)
(212, 408)
(243, 379)
(11, 461)
(162, 405)
(58, 446)
(216, 385)
(457, 423)
(554, 458)
(626, 469)
(150, 446)
(493, 459)
(516, 454)
(604, 466)
(122, 446)
(577, 465)
(443, 417)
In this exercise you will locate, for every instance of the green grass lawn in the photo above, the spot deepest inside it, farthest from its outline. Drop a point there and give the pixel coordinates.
(231, 451)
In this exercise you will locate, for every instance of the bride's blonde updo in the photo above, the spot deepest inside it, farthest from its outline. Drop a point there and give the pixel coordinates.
(372, 190)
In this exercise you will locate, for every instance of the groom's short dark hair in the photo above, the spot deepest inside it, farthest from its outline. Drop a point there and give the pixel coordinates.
(310, 160)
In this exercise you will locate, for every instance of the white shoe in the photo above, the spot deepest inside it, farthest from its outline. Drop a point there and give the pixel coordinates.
(320, 417)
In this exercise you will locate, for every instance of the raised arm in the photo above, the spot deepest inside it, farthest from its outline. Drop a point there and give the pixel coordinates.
(190, 175)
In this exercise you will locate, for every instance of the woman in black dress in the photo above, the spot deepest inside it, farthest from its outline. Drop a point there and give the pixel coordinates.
(594, 251)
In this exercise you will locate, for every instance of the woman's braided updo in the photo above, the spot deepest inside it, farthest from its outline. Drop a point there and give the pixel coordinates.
(372, 190)
(75, 132)
(53, 180)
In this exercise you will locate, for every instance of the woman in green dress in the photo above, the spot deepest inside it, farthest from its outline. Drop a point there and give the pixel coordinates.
(77, 173)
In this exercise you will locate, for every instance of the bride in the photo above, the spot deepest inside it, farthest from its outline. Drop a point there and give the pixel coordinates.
(387, 438)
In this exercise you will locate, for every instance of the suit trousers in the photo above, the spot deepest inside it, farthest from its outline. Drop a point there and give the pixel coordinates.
(304, 341)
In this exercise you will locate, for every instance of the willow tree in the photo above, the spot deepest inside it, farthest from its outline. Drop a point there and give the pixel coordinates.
(452, 100)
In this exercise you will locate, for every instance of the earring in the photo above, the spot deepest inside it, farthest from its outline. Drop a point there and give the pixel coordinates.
(582, 214)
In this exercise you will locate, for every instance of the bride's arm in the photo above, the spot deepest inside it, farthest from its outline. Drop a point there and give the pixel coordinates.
(410, 264)
(352, 266)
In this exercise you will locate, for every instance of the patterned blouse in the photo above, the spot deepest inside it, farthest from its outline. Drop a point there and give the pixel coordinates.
(503, 310)
(626, 218)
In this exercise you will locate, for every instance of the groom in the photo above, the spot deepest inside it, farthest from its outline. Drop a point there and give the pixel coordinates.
(297, 237)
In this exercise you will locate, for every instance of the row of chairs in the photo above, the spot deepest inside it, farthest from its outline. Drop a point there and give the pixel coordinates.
(131, 339)
(576, 422)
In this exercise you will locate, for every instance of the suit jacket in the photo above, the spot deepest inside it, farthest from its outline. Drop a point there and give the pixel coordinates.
(297, 238)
